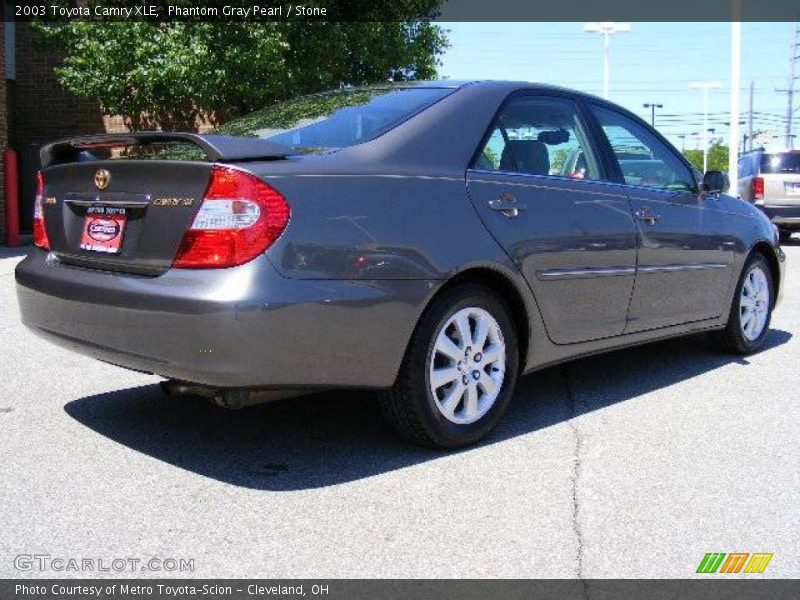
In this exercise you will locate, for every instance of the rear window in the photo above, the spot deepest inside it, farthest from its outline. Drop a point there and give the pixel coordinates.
(308, 124)
(335, 119)
(784, 162)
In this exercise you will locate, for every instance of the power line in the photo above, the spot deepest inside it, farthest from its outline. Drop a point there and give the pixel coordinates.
(706, 87)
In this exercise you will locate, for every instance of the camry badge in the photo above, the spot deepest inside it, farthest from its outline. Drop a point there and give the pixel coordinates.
(173, 201)
(101, 178)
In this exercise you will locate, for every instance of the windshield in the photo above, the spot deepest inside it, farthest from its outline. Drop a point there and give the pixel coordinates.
(785, 162)
(335, 119)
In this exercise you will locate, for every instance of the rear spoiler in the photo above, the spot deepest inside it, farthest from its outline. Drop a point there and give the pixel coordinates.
(218, 148)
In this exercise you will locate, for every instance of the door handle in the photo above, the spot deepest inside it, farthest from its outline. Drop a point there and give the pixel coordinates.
(646, 216)
(507, 204)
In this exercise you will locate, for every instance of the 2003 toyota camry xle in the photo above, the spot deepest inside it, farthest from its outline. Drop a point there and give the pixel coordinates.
(433, 241)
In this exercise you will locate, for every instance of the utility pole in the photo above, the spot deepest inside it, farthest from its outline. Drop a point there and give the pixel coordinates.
(652, 106)
(682, 138)
(607, 29)
(789, 91)
(790, 88)
(705, 86)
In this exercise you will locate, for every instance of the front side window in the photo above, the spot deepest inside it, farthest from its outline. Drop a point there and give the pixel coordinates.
(643, 158)
(538, 136)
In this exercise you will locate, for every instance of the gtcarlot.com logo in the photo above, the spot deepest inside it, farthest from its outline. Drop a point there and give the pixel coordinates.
(113, 564)
(734, 562)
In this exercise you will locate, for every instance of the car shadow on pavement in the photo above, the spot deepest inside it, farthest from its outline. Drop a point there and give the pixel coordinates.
(337, 437)
(14, 251)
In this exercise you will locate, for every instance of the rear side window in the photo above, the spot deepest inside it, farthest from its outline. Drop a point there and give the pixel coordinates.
(536, 135)
(335, 119)
(783, 162)
(643, 159)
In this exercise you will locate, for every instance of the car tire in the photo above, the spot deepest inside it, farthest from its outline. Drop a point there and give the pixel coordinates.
(751, 309)
(477, 377)
(785, 235)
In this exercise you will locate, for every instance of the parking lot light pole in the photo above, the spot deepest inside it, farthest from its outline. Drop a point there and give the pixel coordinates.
(743, 143)
(705, 86)
(652, 106)
(733, 132)
(607, 29)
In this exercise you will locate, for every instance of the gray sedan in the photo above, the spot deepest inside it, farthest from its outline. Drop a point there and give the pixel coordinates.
(432, 241)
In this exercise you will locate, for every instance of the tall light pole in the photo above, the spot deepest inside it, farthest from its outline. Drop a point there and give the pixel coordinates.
(606, 29)
(736, 71)
(652, 106)
(705, 86)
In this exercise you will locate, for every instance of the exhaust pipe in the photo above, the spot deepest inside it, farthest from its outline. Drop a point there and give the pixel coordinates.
(226, 398)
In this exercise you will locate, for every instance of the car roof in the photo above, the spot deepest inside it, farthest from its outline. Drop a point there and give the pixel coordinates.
(510, 85)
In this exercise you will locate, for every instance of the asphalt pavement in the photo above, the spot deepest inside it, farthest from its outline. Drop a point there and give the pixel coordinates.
(630, 464)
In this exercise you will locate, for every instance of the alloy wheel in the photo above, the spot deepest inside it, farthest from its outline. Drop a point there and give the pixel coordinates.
(467, 366)
(754, 303)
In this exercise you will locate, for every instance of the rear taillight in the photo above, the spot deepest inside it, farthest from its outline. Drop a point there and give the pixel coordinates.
(239, 218)
(39, 232)
(758, 188)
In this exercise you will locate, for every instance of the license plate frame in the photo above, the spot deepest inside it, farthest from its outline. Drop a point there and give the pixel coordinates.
(103, 229)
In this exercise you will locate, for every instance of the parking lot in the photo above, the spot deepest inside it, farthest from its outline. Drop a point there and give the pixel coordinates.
(631, 464)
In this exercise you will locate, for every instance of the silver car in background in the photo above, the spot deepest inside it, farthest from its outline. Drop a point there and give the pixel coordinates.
(771, 181)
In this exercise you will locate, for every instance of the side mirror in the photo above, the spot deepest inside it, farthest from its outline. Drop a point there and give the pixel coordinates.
(715, 182)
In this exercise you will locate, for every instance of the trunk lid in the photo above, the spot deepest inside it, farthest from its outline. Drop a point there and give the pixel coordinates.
(130, 214)
(155, 202)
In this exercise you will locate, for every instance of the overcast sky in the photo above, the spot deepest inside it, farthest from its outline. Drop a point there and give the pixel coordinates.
(653, 63)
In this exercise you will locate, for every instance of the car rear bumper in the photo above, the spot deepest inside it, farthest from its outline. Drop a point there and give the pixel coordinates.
(241, 327)
(783, 215)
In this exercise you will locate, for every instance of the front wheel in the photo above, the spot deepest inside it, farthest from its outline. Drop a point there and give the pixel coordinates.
(459, 371)
(751, 311)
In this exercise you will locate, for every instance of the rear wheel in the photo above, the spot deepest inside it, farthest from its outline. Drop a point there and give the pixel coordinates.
(748, 322)
(459, 371)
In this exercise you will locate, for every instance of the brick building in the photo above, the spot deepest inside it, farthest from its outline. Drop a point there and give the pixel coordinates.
(35, 109)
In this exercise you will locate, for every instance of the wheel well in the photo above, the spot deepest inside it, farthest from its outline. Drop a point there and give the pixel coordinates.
(766, 250)
(508, 292)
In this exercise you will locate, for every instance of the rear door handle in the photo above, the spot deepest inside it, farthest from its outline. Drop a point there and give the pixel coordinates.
(646, 216)
(507, 204)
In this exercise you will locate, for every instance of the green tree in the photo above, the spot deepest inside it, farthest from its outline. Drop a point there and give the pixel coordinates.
(717, 158)
(166, 74)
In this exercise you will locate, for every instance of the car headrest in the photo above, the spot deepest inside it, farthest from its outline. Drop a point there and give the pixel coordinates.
(531, 157)
(554, 137)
